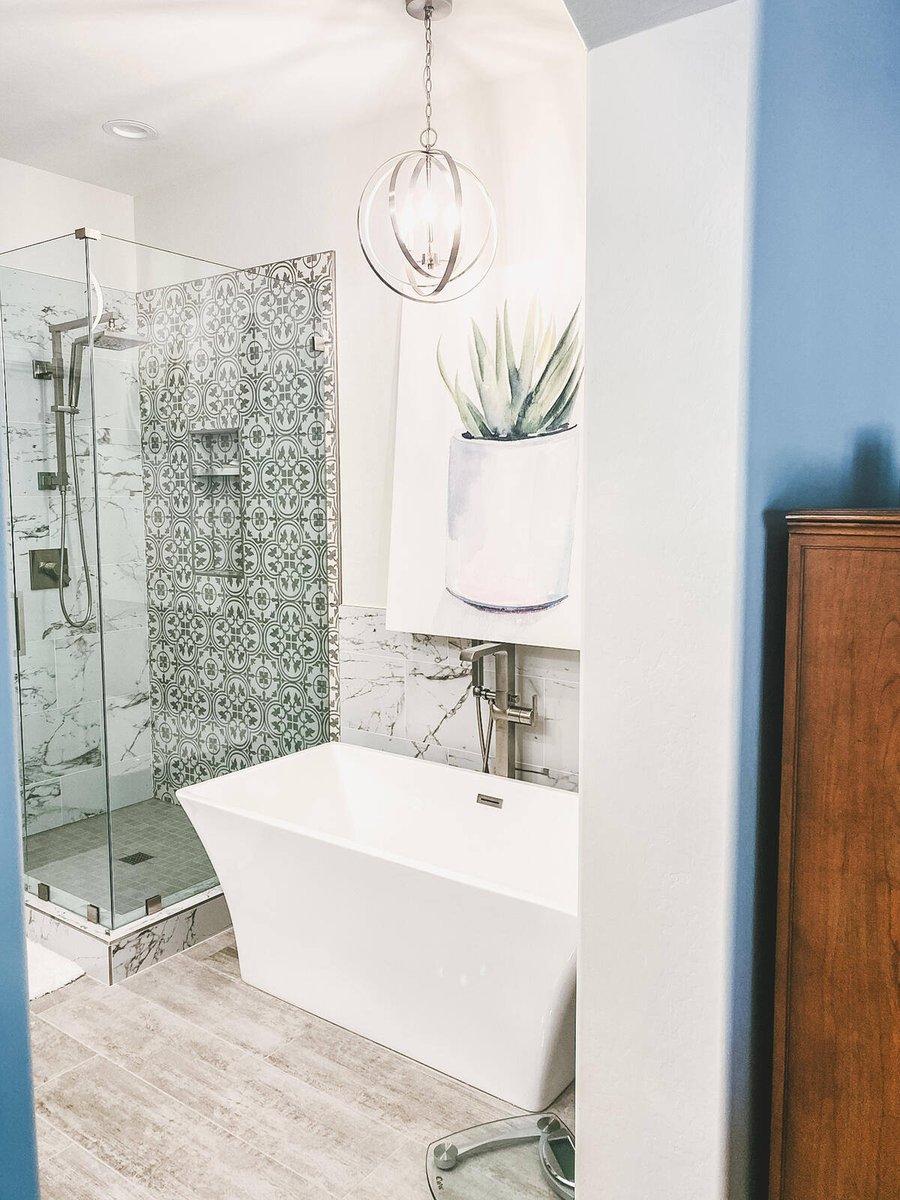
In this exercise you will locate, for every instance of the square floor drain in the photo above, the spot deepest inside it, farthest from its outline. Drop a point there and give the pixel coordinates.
(134, 859)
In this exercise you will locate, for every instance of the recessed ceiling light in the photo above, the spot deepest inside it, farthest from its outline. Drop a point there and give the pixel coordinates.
(133, 130)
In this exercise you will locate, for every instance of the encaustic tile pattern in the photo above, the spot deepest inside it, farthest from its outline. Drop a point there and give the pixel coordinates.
(238, 414)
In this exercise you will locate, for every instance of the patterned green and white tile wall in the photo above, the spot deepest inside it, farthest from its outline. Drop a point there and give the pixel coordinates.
(239, 438)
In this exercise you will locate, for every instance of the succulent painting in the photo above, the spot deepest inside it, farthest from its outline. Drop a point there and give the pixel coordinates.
(520, 397)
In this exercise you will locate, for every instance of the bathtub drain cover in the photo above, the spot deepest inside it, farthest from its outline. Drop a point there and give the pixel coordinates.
(134, 859)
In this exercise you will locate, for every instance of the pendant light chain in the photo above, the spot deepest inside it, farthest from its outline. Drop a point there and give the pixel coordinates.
(428, 136)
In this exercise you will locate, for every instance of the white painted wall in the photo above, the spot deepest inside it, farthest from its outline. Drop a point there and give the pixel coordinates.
(35, 205)
(668, 131)
(524, 136)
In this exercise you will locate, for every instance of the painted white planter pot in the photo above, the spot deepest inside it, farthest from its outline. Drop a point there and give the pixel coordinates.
(511, 520)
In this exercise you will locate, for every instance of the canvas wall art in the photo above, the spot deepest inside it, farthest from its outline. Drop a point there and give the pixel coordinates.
(485, 534)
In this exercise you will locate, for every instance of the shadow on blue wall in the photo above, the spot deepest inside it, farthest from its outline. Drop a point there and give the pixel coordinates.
(823, 417)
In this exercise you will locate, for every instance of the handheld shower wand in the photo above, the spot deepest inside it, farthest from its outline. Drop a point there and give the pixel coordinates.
(66, 406)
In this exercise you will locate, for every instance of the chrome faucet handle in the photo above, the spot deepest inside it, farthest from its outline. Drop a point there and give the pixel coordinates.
(48, 567)
(514, 713)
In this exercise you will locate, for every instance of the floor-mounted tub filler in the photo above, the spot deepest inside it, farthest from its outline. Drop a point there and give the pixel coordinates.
(428, 908)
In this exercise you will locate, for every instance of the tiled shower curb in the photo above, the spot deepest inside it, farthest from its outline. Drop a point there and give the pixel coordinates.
(110, 956)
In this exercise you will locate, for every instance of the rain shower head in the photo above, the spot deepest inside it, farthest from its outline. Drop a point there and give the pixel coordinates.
(112, 340)
(105, 337)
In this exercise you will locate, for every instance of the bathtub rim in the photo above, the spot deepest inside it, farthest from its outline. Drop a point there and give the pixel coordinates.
(191, 793)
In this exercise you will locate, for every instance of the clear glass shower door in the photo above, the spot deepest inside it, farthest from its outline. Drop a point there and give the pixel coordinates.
(45, 316)
(198, 413)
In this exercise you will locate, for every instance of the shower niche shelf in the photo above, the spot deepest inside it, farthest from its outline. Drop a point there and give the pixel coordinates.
(218, 502)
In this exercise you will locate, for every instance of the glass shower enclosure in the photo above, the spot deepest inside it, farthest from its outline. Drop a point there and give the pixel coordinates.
(169, 429)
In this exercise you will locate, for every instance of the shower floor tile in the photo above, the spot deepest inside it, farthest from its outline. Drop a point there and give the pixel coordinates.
(171, 859)
(220, 1090)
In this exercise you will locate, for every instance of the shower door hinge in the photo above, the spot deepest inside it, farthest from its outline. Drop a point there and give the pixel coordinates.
(43, 891)
(152, 905)
(89, 235)
(93, 914)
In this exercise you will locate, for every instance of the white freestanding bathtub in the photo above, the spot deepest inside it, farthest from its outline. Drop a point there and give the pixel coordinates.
(377, 892)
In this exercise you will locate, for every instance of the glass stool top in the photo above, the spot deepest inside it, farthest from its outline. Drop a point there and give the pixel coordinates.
(521, 1158)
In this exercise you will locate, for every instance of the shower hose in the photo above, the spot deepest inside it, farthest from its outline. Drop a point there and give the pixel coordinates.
(484, 739)
(63, 491)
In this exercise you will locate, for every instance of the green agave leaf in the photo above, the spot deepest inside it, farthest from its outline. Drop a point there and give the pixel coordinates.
(477, 355)
(502, 379)
(529, 349)
(482, 358)
(516, 391)
(541, 357)
(492, 382)
(553, 378)
(469, 415)
(480, 425)
(559, 415)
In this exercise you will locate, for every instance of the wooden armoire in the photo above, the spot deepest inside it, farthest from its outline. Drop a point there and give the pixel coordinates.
(836, 1091)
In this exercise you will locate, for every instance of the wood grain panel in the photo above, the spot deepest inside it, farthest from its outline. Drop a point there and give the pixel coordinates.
(836, 1118)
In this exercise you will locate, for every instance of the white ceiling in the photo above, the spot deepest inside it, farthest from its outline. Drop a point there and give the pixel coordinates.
(602, 21)
(221, 79)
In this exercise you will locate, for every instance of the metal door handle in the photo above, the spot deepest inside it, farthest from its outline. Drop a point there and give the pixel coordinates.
(20, 622)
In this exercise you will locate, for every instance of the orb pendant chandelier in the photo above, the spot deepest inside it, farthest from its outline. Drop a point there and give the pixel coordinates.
(426, 223)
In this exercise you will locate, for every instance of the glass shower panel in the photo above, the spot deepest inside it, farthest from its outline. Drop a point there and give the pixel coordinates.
(157, 859)
(215, 565)
(195, 406)
(46, 310)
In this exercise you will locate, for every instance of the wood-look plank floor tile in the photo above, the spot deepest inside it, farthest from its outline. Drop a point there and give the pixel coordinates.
(416, 1101)
(50, 1141)
(226, 1006)
(564, 1107)
(52, 1051)
(211, 950)
(80, 987)
(153, 1141)
(76, 1175)
(324, 1141)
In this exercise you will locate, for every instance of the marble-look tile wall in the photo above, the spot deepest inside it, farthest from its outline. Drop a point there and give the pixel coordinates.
(113, 956)
(410, 694)
(60, 668)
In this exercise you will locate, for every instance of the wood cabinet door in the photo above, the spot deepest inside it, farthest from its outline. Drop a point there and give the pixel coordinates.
(836, 1127)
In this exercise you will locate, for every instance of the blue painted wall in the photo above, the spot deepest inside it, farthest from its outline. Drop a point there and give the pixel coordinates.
(823, 407)
(18, 1169)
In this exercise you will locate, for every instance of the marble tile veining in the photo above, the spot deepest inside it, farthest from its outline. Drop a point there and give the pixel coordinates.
(60, 668)
(410, 694)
